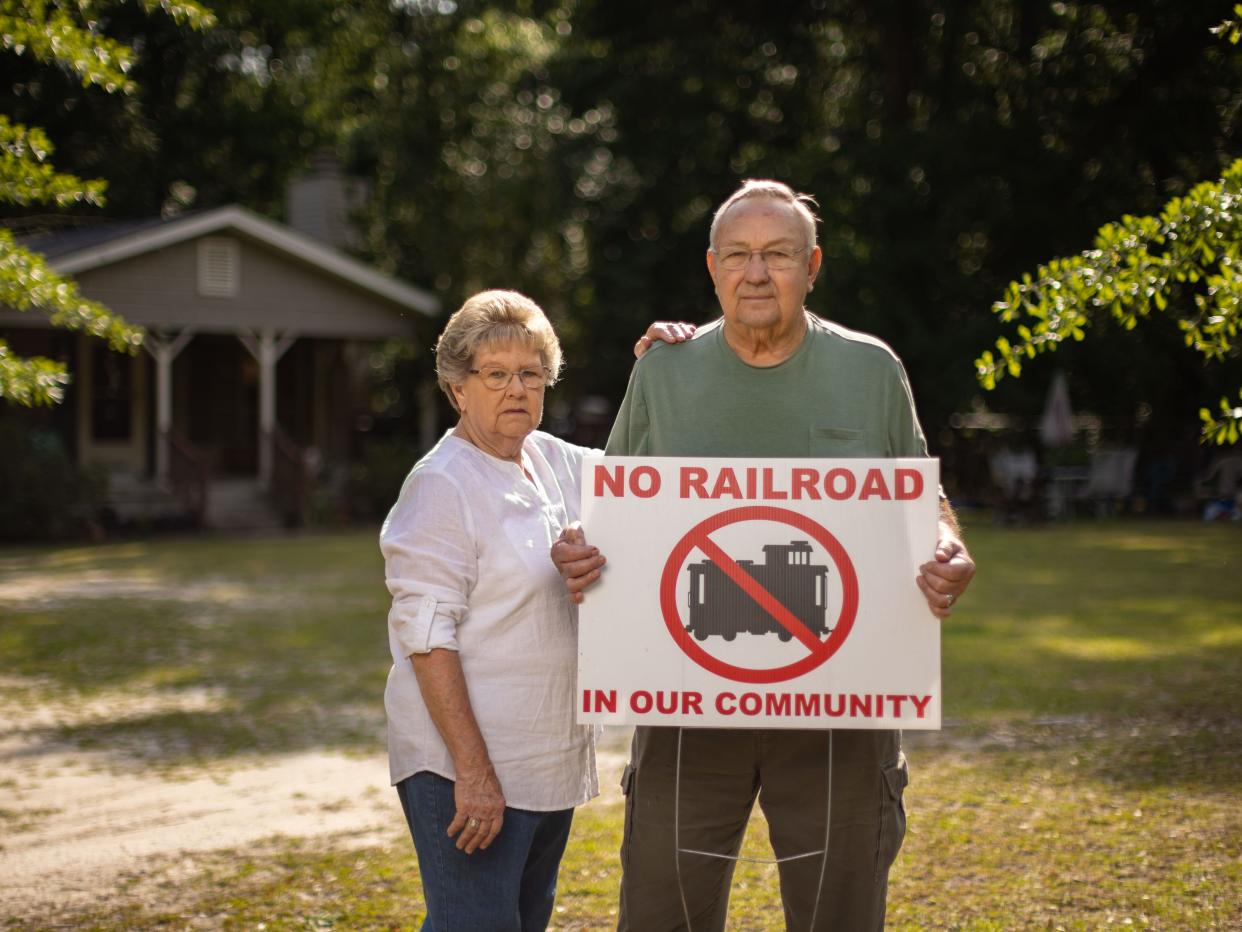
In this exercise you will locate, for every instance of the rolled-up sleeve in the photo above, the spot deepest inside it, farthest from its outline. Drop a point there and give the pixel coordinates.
(430, 564)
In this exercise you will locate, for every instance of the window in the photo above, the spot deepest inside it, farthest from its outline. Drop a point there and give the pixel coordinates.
(111, 392)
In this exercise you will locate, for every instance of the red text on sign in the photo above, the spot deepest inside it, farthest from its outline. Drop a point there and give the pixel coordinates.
(671, 702)
(754, 483)
(656, 703)
(644, 482)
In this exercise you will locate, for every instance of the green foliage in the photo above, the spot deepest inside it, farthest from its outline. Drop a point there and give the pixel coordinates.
(574, 150)
(455, 118)
(1224, 429)
(27, 282)
(67, 36)
(949, 145)
(27, 177)
(45, 497)
(1184, 263)
(1231, 29)
(31, 381)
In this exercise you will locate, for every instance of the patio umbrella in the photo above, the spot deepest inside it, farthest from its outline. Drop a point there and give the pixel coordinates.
(1056, 426)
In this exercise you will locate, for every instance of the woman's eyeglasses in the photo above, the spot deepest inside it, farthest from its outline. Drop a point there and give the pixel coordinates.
(498, 379)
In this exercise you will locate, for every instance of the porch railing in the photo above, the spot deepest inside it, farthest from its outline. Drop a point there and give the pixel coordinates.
(188, 476)
(292, 476)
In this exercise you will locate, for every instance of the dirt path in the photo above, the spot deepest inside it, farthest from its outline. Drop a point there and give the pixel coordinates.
(74, 828)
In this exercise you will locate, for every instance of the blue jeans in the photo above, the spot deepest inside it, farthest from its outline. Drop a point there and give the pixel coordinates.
(510, 887)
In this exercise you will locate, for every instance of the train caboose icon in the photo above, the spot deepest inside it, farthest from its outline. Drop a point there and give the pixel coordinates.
(718, 605)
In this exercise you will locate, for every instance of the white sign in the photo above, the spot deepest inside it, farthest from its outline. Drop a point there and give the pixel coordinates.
(770, 593)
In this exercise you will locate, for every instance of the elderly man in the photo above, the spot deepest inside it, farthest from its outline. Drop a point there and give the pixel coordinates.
(768, 380)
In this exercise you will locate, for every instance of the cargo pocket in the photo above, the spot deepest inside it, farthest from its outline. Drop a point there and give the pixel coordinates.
(627, 790)
(892, 815)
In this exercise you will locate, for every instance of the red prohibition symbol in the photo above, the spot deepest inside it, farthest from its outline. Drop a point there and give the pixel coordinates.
(698, 537)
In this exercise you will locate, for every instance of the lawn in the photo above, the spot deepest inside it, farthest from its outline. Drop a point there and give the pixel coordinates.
(1090, 772)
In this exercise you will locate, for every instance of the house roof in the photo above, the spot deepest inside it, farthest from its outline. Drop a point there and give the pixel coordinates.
(81, 250)
(54, 243)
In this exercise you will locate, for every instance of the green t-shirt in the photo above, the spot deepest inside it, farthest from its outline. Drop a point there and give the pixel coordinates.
(841, 394)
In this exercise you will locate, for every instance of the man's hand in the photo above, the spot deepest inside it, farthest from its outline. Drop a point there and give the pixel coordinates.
(577, 562)
(945, 578)
(663, 330)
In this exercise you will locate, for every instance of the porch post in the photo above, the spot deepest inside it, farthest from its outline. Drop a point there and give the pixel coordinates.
(266, 348)
(164, 352)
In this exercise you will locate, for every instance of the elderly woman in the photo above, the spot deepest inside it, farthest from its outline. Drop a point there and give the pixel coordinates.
(483, 748)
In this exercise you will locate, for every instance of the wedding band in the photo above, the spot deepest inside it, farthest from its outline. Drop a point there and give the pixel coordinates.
(474, 823)
(948, 600)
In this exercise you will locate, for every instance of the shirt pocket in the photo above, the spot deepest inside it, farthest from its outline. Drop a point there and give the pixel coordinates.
(845, 442)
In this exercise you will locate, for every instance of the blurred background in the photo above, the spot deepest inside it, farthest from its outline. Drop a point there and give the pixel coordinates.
(298, 195)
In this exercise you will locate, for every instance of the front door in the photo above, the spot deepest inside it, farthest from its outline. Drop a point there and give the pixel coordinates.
(218, 384)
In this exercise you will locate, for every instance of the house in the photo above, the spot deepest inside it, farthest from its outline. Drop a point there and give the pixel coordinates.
(252, 372)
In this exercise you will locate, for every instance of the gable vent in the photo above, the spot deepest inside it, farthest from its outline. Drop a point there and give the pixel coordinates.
(218, 267)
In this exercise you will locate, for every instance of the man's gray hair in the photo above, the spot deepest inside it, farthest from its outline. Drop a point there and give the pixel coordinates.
(773, 190)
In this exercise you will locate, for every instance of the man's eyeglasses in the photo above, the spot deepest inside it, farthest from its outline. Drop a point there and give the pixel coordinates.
(778, 260)
(498, 379)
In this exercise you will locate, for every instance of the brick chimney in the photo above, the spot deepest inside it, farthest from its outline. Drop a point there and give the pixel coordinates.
(322, 203)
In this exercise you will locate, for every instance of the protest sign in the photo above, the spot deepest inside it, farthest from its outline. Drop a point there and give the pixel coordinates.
(766, 593)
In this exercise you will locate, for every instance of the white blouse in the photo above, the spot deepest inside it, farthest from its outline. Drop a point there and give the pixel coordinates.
(466, 551)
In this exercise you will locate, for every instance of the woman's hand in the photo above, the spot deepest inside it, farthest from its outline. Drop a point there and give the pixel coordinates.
(480, 809)
(478, 798)
(578, 562)
(668, 332)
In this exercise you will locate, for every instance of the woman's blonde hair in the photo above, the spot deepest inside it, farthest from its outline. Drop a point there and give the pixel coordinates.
(492, 318)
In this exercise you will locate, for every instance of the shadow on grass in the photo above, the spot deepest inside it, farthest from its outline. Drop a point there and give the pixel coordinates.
(1118, 645)
(196, 738)
(1130, 754)
(197, 649)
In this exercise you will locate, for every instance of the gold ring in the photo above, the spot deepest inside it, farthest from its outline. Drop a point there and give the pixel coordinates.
(474, 823)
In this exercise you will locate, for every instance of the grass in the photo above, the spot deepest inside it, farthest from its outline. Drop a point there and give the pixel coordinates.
(1090, 774)
(255, 645)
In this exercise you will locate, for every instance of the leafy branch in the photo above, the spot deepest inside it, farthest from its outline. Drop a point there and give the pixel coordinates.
(1186, 262)
(1231, 29)
(27, 177)
(67, 35)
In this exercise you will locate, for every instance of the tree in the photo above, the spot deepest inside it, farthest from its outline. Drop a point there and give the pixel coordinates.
(70, 37)
(575, 148)
(1183, 263)
(950, 144)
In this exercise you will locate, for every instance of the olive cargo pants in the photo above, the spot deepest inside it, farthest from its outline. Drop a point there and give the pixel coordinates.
(722, 773)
